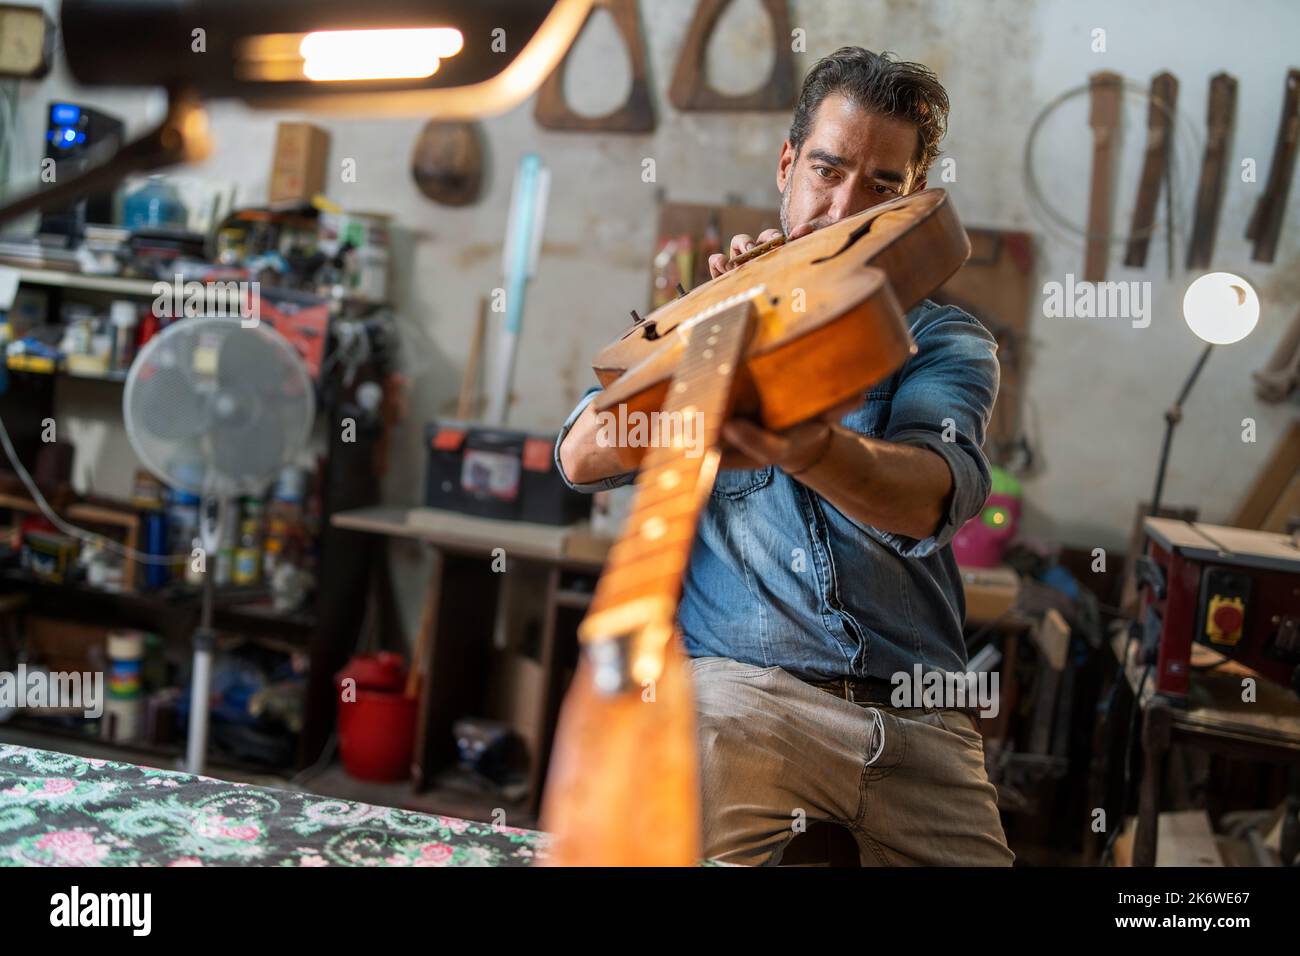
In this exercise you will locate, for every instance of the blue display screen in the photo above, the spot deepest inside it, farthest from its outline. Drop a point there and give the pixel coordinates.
(65, 114)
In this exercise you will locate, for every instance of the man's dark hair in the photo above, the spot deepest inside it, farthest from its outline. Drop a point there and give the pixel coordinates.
(882, 84)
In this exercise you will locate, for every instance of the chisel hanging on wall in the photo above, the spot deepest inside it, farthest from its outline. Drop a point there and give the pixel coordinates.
(1105, 91)
(1160, 134)
(1266, 223)
(1220, 115)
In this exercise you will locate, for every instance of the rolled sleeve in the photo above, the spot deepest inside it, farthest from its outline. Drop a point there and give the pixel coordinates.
(604, 484)
(944, 403)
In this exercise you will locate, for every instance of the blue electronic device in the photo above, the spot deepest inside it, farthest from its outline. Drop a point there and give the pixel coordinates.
(76, 138)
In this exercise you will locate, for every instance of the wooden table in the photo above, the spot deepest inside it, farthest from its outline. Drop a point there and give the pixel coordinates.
(452, 621)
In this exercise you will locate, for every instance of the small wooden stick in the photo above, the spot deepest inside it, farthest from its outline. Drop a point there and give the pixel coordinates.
(428, 624)
(758, 250)
(466, 407)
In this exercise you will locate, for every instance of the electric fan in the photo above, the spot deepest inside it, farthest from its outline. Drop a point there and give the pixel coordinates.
(216, 410)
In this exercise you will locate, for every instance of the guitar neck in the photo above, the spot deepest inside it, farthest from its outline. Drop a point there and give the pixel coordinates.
(632, 612)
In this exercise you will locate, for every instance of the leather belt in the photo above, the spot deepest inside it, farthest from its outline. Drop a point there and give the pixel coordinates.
(869, 692)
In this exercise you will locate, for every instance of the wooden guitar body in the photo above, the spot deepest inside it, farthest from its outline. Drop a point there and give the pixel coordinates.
(791, 334)
(829, 315)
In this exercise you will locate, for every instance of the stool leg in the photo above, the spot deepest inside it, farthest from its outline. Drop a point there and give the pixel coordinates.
(1155, 743)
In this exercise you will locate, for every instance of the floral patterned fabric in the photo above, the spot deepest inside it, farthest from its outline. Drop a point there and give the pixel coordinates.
(61, 810)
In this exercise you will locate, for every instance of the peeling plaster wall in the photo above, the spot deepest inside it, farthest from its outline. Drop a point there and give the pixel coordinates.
(1096, 389)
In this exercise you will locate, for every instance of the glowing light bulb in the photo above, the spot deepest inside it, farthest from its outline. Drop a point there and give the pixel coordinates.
(1221, 308)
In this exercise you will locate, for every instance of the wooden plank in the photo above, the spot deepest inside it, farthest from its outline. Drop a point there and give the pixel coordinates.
(569, 545)
(1285, 508)
(418, 682)
(467, 406)
(1185, 838)
(1052, 638)
(17, 503)
(1106, 89)
(1271, 480)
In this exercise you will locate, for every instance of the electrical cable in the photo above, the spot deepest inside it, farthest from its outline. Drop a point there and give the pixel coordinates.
(1038, 195)
(71, 530)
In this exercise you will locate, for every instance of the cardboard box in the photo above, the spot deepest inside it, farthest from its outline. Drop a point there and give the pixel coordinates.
(298, 169)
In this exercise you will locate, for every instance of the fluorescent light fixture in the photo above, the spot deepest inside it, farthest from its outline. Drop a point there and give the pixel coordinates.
(449, 59)
(340, 45)
(377, 54)
(347, 55)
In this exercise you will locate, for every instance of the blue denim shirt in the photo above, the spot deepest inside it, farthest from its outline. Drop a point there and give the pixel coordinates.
(779, 576)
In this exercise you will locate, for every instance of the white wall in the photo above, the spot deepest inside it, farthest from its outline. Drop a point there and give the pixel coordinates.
(1097, 390)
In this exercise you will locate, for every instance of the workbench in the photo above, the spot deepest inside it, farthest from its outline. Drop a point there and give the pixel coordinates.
(1216, 720)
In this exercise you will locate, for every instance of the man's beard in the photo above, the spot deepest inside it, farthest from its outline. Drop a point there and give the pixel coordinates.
(819, 223)
(785, 206)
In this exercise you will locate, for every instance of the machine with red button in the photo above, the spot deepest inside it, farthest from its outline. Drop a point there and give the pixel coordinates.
(1231, 589)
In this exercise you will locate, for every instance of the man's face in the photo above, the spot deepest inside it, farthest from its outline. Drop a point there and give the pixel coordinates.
(851, 160)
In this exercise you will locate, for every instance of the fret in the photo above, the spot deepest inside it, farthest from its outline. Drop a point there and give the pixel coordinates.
(637, 594)
(653, 537)
(654, 534)
(649, 578)
(664, 498)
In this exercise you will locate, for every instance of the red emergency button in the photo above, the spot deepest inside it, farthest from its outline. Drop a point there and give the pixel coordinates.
(1227, 619)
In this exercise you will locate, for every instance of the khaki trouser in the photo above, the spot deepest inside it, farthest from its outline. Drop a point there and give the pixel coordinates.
(777, 754)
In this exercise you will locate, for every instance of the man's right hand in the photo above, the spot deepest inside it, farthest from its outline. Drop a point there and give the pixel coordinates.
(720, 262)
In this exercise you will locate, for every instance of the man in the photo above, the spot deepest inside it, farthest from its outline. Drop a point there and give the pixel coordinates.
(822, 564)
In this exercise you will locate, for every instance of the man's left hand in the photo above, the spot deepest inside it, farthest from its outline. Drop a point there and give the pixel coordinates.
(752, 446)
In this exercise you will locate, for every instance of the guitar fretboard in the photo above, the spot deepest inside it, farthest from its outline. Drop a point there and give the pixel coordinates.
(637, 594)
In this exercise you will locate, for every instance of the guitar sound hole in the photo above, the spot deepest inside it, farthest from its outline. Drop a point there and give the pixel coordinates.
(854, 236)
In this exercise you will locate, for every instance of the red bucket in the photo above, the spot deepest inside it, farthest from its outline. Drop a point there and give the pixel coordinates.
(377, 729)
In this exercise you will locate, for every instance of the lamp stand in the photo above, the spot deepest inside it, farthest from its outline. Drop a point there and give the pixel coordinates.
(1174, 415)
